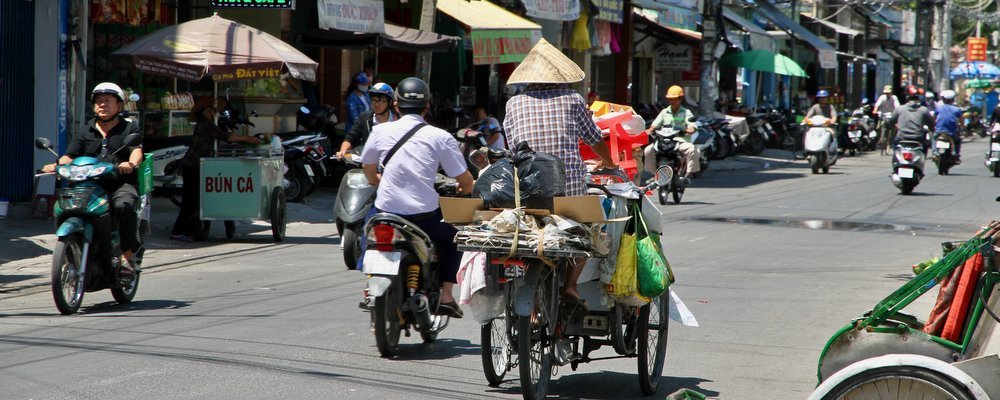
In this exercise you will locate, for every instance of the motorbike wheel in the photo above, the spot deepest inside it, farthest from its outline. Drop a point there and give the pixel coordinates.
(943, 167)
(67, 283)
(652, 329)
(124, 295)
(351, 239)
(826, 170)
(996, 171)
(387, 326)
(497, 347)
(534, 346)
(906, 187)
(756, 145)
(722, 149)
(899, 382)
(663, 196)
(279, 217)
(814, 164)
(297, 185)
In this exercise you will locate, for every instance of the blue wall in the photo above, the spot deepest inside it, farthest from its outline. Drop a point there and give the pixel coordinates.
(17, 28)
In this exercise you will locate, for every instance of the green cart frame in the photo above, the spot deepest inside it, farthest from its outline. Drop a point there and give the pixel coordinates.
(244, 184)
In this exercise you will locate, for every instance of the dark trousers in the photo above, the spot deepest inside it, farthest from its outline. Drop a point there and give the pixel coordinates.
(440, 232)
(123, 201)
(188, 222)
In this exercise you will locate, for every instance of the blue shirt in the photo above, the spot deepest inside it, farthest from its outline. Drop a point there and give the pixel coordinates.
(407, 185)
(947, 118)
(356, 104)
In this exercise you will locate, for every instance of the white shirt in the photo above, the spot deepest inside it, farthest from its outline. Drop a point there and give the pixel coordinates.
(407, 185)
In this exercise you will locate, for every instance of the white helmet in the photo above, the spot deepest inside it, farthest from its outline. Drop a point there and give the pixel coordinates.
(108, 88)
(929, 95)
(948, 95)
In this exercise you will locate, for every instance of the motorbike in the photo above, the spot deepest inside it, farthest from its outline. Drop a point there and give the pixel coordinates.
(301, 178)
(88, 254)
(705, 139)
(820, 144)
(665, 148)
(907, 165)
(355, 199)
(403, 290)
(861, 135)
(755, 139)
(993, 154)
(944, 156)
(972, 120)
(780, 138)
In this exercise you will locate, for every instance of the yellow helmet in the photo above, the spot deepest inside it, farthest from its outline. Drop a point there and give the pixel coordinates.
(887, 89)
(674, 92)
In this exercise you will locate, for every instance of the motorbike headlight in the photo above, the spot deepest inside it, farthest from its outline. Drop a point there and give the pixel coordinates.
(96, 171)
(357, 181)
(75, 172)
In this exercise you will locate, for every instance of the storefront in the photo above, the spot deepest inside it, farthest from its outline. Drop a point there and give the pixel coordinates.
(671, 55)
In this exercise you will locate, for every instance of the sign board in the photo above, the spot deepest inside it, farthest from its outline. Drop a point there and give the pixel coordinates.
(281, 4)
(502, 45)
(694, 74)
(683, 18)
(352, 15)
(976, 49)
(908, 31)
(558, 10)
(608, 10)
(827, 59)
(675, 58)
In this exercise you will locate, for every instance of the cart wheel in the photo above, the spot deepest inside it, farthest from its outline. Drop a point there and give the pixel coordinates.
(278, 214)
(230, 229)
(497, 346)
(652, 326)
(203, 234)
(899, 382)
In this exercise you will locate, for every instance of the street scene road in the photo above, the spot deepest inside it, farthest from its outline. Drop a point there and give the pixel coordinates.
(770, 258)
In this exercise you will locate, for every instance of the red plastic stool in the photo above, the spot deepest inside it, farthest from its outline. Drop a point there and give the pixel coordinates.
(50, 202)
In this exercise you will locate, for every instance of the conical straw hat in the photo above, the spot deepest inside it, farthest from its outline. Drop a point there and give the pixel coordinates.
(546, 64)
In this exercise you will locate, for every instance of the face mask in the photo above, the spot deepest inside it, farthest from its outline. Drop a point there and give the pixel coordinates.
(363, 88)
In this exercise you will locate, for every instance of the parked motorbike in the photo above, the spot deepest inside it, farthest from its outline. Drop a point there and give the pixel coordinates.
(300, 177)
(355, 199)
(944, 156)
(973, 123)
(820, 144)
(667, 154)
(781, 137)
(861, 135)
(993, 154)
(88, 255)
(907, 165)
(705, 139)
(754, 140)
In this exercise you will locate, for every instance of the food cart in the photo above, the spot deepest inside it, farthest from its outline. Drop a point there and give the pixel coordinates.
(242, 183)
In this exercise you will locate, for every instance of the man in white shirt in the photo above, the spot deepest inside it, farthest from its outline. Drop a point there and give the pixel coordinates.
(406, 182)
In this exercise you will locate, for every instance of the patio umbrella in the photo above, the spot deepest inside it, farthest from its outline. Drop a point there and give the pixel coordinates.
(765, 61)
(218, 48)
(975, 69)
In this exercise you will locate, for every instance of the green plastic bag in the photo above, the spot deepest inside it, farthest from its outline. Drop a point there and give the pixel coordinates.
(653, 271)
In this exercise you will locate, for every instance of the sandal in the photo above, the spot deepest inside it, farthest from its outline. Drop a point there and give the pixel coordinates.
(574, 305)
(450, 309)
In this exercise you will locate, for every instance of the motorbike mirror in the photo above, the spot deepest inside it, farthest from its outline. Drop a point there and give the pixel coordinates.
(663, 175)
(692, 119)
(304, 110)
(132, 139)
(42, 144)
(134, 97)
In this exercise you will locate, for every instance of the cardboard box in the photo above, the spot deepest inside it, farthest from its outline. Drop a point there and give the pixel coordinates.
(583, 209)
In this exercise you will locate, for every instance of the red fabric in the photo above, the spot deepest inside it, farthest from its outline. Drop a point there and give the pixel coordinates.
(965, 293)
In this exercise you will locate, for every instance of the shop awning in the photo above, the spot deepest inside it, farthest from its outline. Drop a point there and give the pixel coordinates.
(395, 38)
(873, 15)
(856, 58)
(897, 54)
(664, 31)
(836, 27)
(827, 55)
(741, 22)
(759, 38)
(498, 36)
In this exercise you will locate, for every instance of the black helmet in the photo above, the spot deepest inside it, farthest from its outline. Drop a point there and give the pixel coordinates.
(412, 93)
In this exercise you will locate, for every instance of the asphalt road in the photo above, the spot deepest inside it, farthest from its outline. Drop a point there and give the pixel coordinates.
(771, 261)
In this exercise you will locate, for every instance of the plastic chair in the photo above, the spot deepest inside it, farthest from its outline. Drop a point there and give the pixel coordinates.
(622, 144)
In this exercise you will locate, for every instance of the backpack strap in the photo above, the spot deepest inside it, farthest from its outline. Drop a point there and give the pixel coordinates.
(399, 144)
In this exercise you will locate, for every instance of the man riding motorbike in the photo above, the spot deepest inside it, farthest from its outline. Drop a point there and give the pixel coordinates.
(822, 107)
(949, 119)
(490, 128)
(105, 135)
(553, 118)
(680, 118)
(407, 189)
(911, 120)
(382, 110)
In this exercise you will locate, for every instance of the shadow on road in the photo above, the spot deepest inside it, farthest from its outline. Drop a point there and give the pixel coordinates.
(140, 305)
(743, 179)
(604, 385)
(440, 349)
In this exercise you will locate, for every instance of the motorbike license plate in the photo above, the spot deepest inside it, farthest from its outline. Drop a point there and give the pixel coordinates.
(381, 262)
(905, 173)
(309, 170)
(854, 134)
(995, 146)
(943, 145)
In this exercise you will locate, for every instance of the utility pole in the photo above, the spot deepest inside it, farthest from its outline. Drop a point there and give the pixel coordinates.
(946, 46)
(709, 61)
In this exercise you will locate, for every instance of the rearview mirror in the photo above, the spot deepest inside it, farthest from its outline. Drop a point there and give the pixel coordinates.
(663, 175)
(134, 97)
(42, 144)
(132, 139)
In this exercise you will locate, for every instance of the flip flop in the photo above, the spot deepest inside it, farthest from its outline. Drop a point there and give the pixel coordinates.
(450, 309)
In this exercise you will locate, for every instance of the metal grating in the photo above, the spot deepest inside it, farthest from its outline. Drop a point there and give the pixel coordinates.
(17, 27)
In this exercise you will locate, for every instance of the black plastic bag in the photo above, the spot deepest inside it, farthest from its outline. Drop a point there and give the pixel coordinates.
(542, 176)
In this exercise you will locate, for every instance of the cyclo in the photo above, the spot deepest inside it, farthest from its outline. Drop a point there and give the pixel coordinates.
(888, 353)
(526, 318)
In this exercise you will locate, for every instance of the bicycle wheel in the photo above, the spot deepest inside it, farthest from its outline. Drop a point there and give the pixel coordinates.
(898, 383)
(535, 343)
(497, 347)
(653, 324)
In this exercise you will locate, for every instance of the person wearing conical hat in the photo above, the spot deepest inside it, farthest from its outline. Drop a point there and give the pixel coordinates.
(552, 118)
